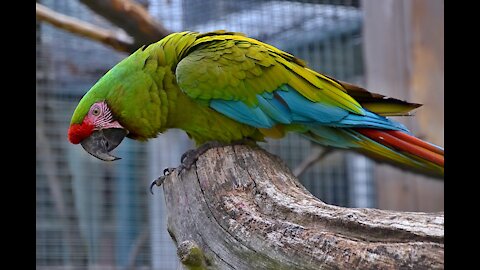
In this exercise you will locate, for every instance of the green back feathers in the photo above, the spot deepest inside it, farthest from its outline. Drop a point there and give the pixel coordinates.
(224, 65)
(231, 66)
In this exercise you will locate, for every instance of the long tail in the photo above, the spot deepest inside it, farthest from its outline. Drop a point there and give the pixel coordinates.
(420, 155)
(390, 146)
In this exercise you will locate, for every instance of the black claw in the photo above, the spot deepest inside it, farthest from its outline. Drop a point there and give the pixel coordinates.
(157, 182)
(151, 186)
(168, 171)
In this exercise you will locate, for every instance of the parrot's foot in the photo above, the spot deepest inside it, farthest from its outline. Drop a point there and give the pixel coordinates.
(191, 156)
(159, 181)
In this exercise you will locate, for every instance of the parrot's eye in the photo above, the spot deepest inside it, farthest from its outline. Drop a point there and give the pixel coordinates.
(96, 111)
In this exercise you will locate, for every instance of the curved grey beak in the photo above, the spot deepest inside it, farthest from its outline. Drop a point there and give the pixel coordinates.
(101, 142)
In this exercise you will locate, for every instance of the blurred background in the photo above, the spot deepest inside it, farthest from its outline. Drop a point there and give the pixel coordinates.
(97, 215)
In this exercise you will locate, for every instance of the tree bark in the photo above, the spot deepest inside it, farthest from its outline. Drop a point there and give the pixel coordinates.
(239, 207)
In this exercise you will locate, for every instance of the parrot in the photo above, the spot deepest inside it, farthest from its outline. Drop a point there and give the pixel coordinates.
(226, 87)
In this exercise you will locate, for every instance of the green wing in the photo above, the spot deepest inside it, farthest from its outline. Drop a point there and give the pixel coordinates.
(230, 66)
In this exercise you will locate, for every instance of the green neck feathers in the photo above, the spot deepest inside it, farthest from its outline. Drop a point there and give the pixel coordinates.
(143, 95)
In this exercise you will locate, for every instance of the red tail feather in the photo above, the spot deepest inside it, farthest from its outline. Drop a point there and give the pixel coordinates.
(407, 143)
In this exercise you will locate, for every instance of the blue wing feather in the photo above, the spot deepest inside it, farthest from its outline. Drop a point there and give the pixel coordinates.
(274, 109)
(286, 106)
(304, 109)
(240, 112)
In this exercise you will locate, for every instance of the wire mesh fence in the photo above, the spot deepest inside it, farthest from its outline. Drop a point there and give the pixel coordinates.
(97, 215)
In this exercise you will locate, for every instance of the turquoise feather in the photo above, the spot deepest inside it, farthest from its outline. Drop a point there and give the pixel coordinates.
(286, 106)
(239, 111)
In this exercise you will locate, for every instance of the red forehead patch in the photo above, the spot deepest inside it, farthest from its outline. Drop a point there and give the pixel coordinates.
(78, 132)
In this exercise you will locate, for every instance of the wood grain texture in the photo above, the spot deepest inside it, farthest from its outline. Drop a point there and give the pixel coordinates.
(244, 209)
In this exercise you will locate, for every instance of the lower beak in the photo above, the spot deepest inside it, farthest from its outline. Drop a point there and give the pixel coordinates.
(101, 142)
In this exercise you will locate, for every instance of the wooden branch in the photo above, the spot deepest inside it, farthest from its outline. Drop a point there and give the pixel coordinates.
(318, 154)
(131, 17)
(84, 29)
(240, 207)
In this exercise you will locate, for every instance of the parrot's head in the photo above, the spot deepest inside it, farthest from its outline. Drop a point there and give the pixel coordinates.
(125, 102)
(98, 132)
(99, 122)
(118, 105)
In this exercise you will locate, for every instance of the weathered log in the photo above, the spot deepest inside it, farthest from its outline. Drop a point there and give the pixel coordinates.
(239, 207)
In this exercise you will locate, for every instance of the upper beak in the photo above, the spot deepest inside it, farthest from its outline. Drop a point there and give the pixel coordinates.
(101, 142)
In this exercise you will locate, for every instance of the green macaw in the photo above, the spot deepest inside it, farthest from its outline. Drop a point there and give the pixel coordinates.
(225, 87)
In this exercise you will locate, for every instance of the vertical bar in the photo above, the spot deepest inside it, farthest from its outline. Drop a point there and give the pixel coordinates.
(123, 189)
